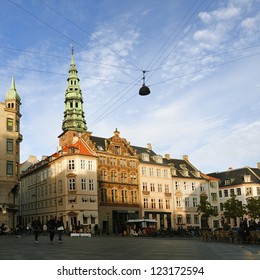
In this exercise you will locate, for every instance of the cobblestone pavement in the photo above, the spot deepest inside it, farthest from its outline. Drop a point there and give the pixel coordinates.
(123, 248)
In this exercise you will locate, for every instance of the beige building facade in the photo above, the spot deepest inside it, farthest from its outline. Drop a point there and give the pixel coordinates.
(10, 139)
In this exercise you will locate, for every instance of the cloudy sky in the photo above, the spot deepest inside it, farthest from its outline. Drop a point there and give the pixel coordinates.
(202, 63)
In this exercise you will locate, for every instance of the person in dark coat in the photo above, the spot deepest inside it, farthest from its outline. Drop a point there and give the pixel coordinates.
(244, 230)
(36, 228)
(51, 225)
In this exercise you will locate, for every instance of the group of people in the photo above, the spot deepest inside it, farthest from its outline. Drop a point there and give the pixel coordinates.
(245, 227)
(51, 226)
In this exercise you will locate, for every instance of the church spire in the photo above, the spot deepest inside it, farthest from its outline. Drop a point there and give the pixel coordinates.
(74, 118)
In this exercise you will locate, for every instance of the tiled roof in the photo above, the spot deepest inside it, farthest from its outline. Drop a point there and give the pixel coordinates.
(233, 177)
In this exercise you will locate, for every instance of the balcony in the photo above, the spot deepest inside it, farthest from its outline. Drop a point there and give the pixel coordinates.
(146, 192)
(167, 194)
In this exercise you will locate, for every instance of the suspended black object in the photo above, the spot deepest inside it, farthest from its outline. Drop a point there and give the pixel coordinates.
(144, 90)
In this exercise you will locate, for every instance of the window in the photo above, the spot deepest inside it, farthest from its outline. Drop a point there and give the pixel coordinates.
(185, 184)
(90, 165)
(102, 160)
(10, 124)
(117, 150)
(9, 168)
(179, 219)
(10, 146)
(134, 196)
(60, 185)
(82, 164)
(71, 165)
(167, 203)
(188, 218)
(145, 186)
(165, 173)
(113, 176)
(194, 201)
(153, 203)
(72, 186)
(132, 164)
(152, 187)
(225, 193)
(103, 175)
(249, 191)
(158, 171)
(187, 202)
(143, 171)
(123, 177)
(91, 184)
(159, 187)
(145, 202)
(123, 162)
(221, 205)
(114, 195)
(258, 190)
(220, 193)
(177, 185)
(160, 201)
(232, 192)
(112, 161)
(103, 195)
(178, 201)
(124, 196)
(151, 172)
(238, 191)
(196, 219)
(83, 184)
(214, 197)
(167, 190)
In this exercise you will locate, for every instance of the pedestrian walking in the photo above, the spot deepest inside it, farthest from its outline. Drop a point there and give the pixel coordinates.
(51, 225)
(60, 228)
(36, 228)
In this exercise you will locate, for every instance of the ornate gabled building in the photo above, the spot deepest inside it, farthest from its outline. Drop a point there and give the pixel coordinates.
(10, 139)
(118, 182)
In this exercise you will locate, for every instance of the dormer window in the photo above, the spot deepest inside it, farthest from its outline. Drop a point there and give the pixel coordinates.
(247, 178)
(227, 182)
(158, 159)
(145, 157)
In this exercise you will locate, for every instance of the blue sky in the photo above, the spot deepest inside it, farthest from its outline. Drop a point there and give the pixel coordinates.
(202, 60)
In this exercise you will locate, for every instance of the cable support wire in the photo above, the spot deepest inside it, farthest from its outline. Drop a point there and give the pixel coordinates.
(56, 30)
(184, 35)
(206, 68)
(91, 37)
(67, 58)
(110, 100)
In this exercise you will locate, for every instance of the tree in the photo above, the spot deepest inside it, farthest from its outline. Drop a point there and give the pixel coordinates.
(206, 210)
(253, 207)
(234, 208)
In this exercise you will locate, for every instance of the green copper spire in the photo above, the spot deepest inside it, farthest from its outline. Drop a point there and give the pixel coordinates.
(12, 93)
(74, 118)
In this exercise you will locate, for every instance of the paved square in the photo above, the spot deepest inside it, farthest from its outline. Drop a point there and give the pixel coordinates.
(123, 248)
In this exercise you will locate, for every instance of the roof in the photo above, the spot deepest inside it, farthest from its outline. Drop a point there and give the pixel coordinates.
(234, 177)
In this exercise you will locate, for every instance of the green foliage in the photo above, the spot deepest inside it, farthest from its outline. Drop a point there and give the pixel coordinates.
(234, 208)
(205, 207)
(253, 207)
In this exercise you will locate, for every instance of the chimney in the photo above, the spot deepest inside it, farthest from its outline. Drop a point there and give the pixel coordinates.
(167, 156)
(149, 146)
(186, 157)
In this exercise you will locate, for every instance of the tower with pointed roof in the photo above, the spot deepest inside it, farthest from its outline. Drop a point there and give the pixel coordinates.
(10, 139)
(74, 119)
